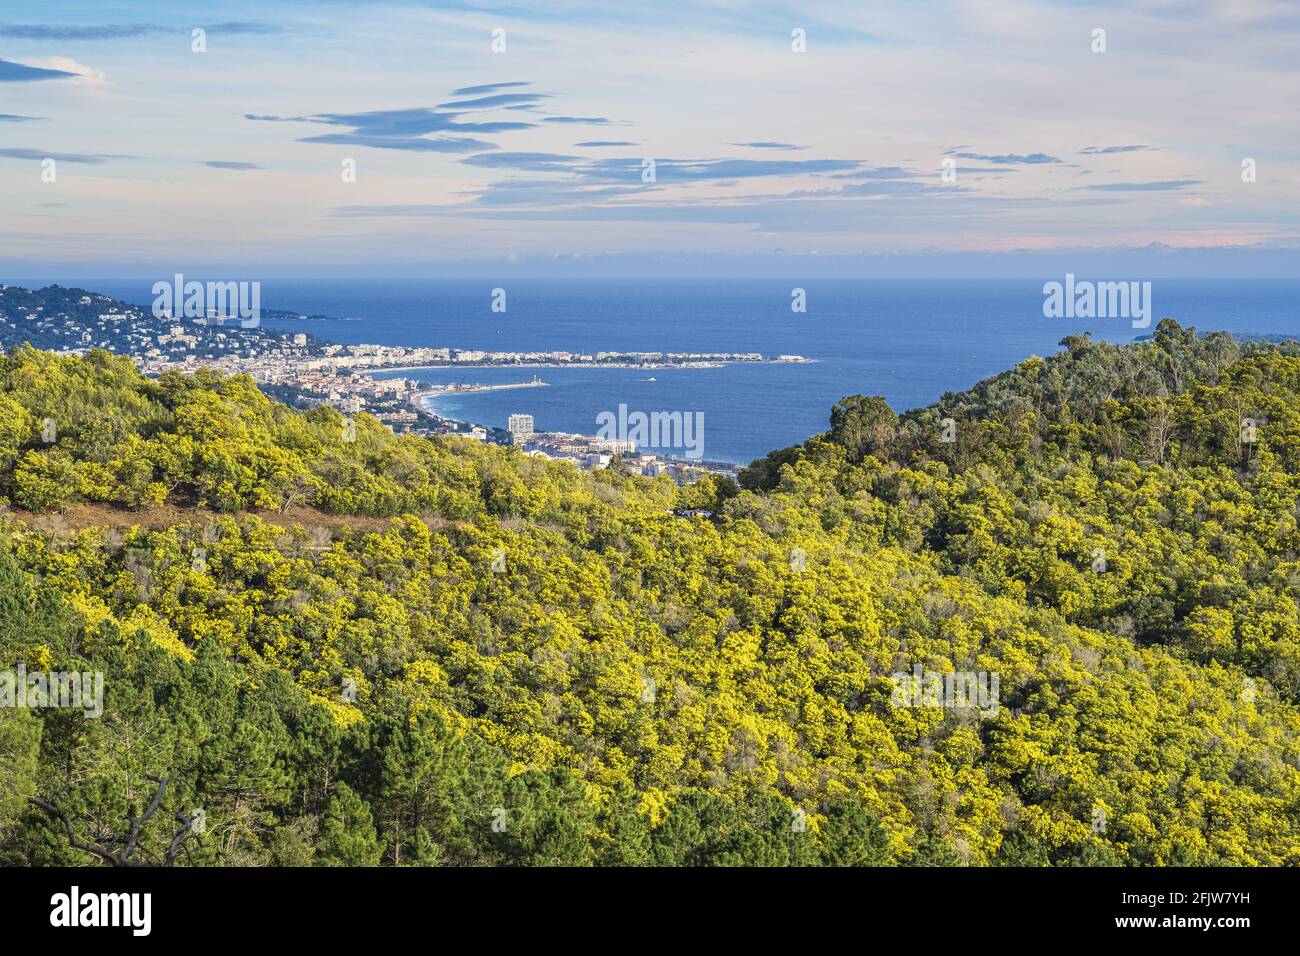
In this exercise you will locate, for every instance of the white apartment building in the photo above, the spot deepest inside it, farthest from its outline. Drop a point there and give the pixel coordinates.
(520, 428)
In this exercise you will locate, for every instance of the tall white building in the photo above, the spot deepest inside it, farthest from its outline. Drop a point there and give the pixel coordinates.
(520, 428)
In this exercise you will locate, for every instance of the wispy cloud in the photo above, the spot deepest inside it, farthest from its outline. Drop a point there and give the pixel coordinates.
(1107, 150)
(226, 164)
(619, 170)
(770, 145)
(413, 122)
(243, 27)
(121, 31)
(883, 187)
(11, 72)
(93, 159)
(534, 162)
(410, 129)
(489, 88)
(268, 118)
(493, 101)
(581, 120)
(1011, 159)
(12, 118)
(1159, 186)
(58, 31)
(595, 190)
(414, 144)
(879, 172)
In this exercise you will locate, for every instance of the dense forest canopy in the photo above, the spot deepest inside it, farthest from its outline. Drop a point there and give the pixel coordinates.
(345, 647)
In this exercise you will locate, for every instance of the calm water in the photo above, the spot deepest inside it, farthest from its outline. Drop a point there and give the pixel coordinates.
(907, 340)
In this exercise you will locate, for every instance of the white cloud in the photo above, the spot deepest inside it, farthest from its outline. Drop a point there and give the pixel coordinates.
(85, 75)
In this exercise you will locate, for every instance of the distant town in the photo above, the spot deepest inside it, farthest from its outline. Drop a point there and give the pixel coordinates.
(304, 371)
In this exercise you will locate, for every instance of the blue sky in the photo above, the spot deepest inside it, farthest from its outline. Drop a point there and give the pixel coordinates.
(766, 160)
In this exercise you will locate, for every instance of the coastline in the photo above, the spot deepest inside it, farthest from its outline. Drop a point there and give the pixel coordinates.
(424, 400)
(478, 387)
(649, 366)
(425, 403)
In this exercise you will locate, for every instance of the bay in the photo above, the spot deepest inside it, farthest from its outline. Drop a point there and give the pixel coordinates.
(908, 340)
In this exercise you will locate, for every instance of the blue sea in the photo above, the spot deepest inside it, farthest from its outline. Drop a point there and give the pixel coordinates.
(908, 340)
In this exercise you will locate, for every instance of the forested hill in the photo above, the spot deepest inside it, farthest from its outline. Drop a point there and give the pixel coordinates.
(529, 664)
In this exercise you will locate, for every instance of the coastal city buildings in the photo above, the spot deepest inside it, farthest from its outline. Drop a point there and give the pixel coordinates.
(301, 370)
(591, 453)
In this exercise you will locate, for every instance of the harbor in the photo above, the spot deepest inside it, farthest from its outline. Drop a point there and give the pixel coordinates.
(463, 389)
